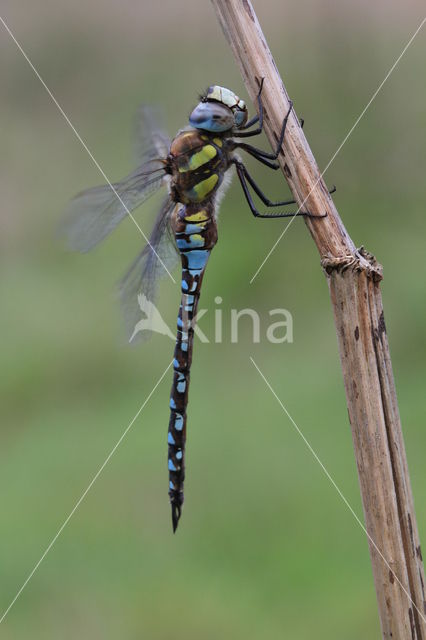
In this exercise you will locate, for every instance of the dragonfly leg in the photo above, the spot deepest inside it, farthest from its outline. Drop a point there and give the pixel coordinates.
(255, 119)
(263, 156)
(260, 193)
(249, 124)
(272, 165)
(253, 152)
(245, 177)
(259, 153)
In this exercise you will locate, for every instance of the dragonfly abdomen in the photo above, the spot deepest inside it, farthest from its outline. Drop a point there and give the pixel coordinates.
(195, 233)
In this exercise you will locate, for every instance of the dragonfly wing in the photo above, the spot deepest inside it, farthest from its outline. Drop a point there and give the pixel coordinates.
(151, 140)
(138, 288)
(94, 213)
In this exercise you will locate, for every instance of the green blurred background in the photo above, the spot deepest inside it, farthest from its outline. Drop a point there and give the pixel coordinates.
(266, 548)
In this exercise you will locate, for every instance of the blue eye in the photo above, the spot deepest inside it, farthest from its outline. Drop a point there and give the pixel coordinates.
(239, 118)
(212, 116)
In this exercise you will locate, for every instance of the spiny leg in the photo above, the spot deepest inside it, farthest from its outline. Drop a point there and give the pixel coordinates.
(257, 153)
(249, 124)
(255, 119)
(264, 198)
(271, 165)
(260, 193)
(264, 156)
(245, 177)
(265, 161)
(259, 118)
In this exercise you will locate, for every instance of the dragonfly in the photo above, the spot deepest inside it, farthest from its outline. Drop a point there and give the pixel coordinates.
(194, 167)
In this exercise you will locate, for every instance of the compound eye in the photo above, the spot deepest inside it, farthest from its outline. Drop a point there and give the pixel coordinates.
(212, 116)
(240, 118)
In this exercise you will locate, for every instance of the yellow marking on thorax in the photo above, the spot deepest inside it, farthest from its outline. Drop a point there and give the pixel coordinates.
(218, 141)
(203, 188)
(207, 153)
(200, 216)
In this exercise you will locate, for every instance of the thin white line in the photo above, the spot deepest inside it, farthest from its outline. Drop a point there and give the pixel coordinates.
(84, 494)
(342, 143)
(338, 490)
(83, 144)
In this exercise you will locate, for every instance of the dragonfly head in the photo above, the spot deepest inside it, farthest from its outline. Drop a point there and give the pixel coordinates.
(219, 110)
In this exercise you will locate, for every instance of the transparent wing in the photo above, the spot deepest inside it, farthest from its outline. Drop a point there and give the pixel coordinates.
(94, 213)
(138, 288)
(151, 139)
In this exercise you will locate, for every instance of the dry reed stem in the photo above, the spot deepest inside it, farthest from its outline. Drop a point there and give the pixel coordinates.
(354, 282)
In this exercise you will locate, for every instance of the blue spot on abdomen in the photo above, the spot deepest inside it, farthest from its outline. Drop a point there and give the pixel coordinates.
(178, 422)
(192, 228)
(197, 259)
(181, 386)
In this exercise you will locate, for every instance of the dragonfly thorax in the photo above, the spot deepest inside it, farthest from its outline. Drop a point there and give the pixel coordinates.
(218, 111)
(197, 162)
